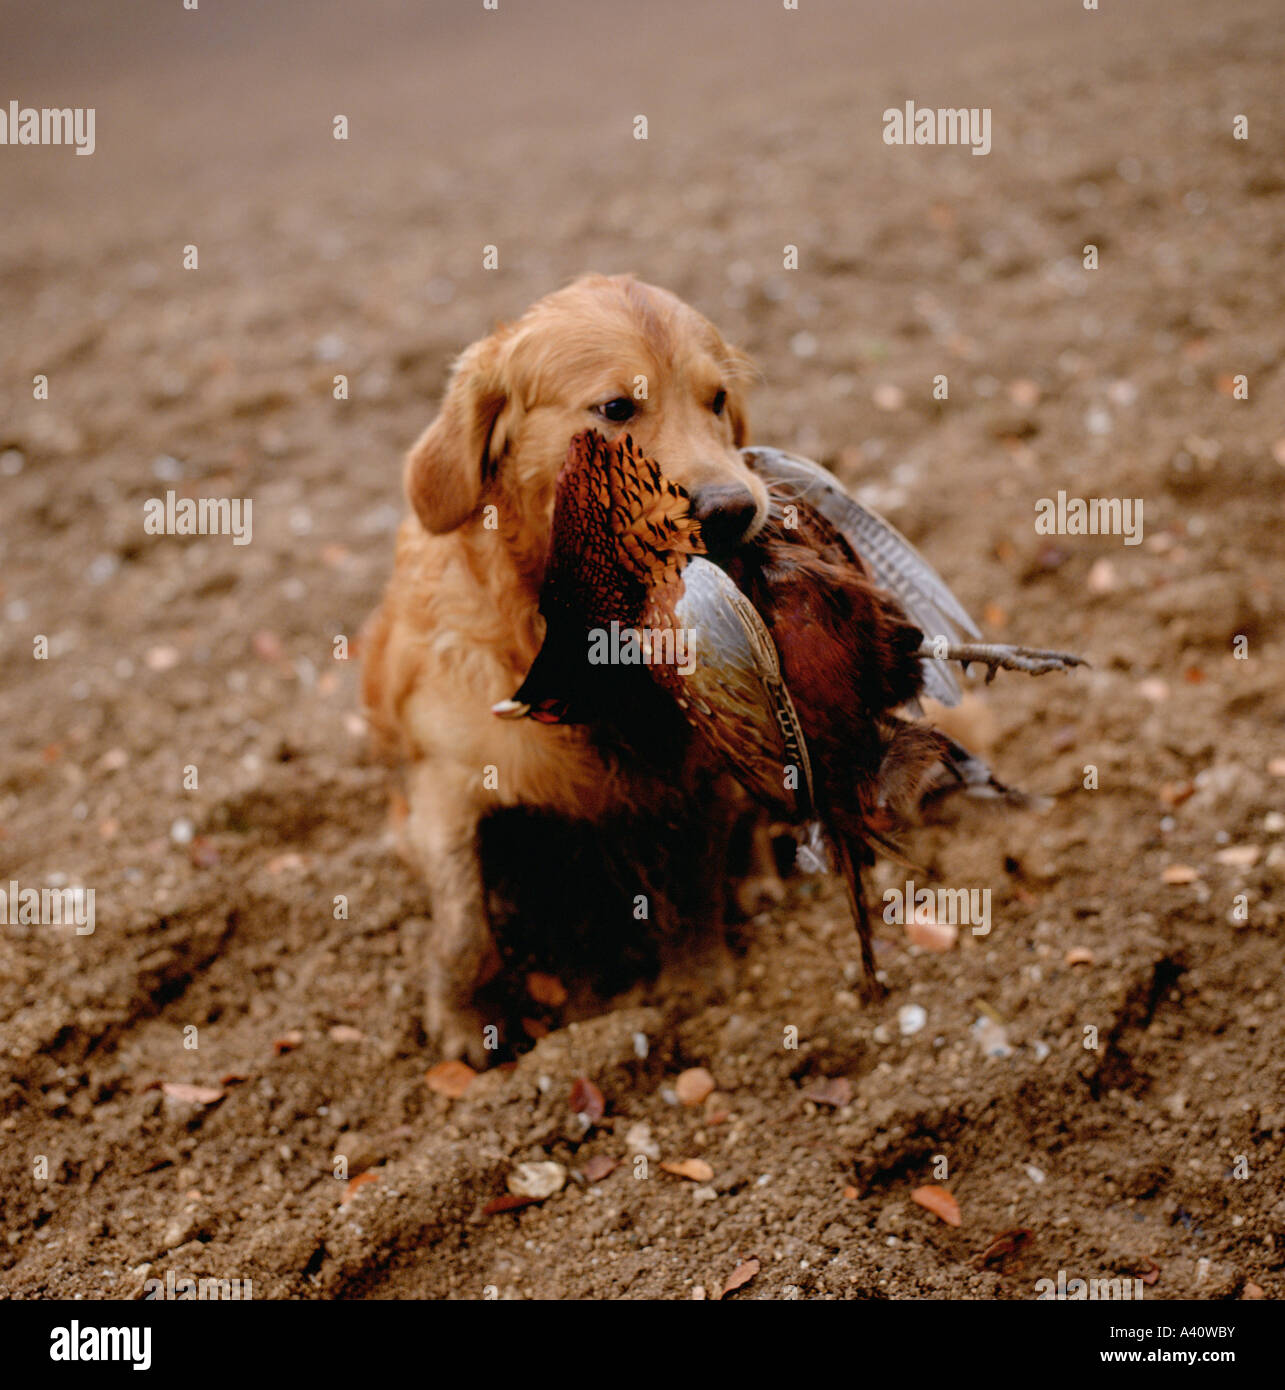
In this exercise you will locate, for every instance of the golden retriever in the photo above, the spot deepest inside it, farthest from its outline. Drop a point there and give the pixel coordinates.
(459, 627)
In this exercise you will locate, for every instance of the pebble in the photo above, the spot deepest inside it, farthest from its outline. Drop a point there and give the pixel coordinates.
(161, 658)
(992, 1037)
(639, 1141)
(910, 1019)
(182, 830)
(1179, 873)
(888, 397)
(1035, 1174)
(694, 1085)
(538, 1180)
(1102, 578)
(1239, 856)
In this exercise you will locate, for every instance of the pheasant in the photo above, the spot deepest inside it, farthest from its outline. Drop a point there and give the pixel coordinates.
(795, 661)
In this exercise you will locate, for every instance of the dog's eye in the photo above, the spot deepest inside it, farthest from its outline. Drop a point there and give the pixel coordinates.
(719, 401)
(617, 410)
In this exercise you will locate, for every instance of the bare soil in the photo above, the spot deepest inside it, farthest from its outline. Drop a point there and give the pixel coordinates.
(1157, 1153)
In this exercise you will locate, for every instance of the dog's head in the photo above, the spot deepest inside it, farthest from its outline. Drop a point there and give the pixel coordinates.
(608, 352)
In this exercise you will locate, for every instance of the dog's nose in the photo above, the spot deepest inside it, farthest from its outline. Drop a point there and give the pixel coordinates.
(725, 513)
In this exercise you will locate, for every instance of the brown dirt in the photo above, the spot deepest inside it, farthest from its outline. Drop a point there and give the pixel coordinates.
(318, 257)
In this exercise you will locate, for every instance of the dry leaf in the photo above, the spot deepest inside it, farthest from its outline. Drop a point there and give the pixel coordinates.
(1175, 793)
(508, 1202)
(938, 1201)
(586, 1099)
(694, 1168)
(358, 1182)
(742, 1274)
(1005, 1246)
(450, 1079)
(233, 1078)
(599, 1167)
(1151, 1273)
(835, 1091)
(193, 1095)
(546, 989)
(694, 1085)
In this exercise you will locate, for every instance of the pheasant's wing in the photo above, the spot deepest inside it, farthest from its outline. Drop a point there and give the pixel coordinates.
(896, 565)
(734, 693)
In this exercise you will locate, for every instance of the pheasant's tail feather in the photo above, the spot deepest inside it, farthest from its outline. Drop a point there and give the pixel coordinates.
(894, 563)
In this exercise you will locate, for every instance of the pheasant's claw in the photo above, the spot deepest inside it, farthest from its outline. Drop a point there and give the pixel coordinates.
(1033, 660)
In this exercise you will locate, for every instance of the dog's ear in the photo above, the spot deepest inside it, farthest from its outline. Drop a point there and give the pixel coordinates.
(446, 467)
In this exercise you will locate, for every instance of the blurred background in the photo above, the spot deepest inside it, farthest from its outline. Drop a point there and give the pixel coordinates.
(318, 257)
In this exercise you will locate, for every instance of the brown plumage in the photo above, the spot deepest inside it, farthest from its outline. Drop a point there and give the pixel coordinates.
(804, 652)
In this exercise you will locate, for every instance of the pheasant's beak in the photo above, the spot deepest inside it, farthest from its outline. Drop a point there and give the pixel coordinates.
(510, 709)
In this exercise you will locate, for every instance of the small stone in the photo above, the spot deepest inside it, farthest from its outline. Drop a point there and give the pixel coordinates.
(161, 658)
(992, 1037)
(537, 1180)
(1079, 955)
(1179, 873)
(932, 936)
(639, 1141)
(1102, 577)
(1154, 689)
(888, 397)
(910, 1019)
(360, 1151)
(1035, 1174)
(1239, 856)
(694, 1085)
(182, 830)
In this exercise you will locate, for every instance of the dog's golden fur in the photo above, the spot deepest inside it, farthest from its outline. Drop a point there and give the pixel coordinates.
(459, 625)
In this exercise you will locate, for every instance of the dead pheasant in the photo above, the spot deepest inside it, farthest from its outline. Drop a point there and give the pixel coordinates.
(791, 662)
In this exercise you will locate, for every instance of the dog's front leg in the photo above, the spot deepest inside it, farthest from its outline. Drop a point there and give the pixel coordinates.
(458, 947)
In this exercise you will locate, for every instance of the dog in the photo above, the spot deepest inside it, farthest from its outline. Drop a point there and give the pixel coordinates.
(459, 626)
